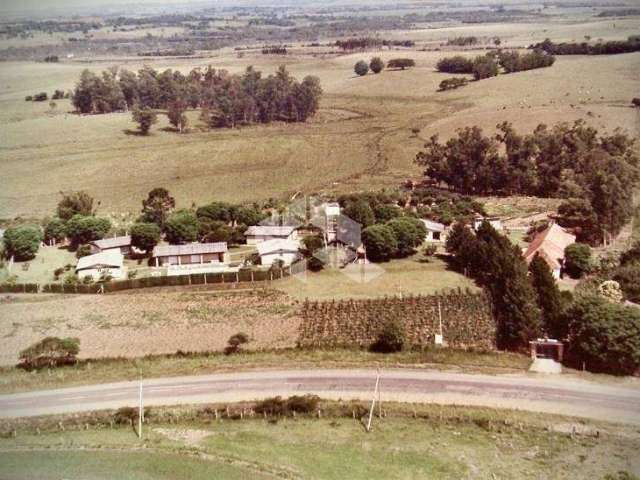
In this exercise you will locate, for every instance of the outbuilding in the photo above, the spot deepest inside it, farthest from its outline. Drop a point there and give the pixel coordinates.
(435, 231)
(270, 251)
(550, 245)
(261, 233)
(100, 265)
(121, 244)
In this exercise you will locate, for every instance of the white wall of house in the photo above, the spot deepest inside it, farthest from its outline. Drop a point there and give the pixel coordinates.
(96, 273)
(255, 239)
(436, 237)
(287, 257)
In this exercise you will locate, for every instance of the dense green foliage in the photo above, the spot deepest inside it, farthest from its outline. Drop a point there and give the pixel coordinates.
(75, 203)
(85, 229)
(604, 335)
(360, 211)
(361, 68)
(22, 242)
(452, 83)
(513, 61)
(549, 298)
(577, 261)
(181, 227)
(409, 233)
(380, 242)
(391, 338)
(50, 352)
(145, 118)
(55, 229)
(376, 65)
(145, 235)
(497, 265)
(157, 205)
(226, 99)
(596, 174)
(455, 64)
(484, 67)
(632, 44)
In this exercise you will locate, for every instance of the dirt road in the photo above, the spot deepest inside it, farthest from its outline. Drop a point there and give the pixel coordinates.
(553, 394)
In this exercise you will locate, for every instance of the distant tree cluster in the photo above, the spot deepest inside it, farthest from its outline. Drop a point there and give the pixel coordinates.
(226, 100)
(463, 41)
(444, 207)
(362, 43)
(396, 238)
(361, 68)
(401, 63)
(51, 59)
(274, 50)
(452, 83)
(595, 174)
(513, 61)
(173, 52)
(612, 47)
(38, 97)
(485, 66)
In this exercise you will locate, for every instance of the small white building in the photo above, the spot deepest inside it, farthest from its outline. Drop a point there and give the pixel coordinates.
(435, 231)
(109, 263)
(495, 222)
(270, 251)
(120, 244)
(261, 233)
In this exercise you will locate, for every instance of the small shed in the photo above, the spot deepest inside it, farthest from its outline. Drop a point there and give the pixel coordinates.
(108, 263)
(435, 231)
(261, 233)
(121, 244)
(271, 251)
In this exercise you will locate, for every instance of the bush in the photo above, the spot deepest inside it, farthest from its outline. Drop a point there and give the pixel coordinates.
(484, 67)
(380, 242)
(83, 251)
(55, 230)
(430, 250)
(280, 406)
(401, 63)
(628, 276)
(577, 260)
(145, 118)
(409, 233)
(22, 242)
(455, 64)
(604, 335)
(391, 338)
(181, 227)
(235, 342)
(361, 68)
(145, 236)
(452, 83)
(85, 229)
(40, 97)
(376, 65)
(50, 352)
(28, 98)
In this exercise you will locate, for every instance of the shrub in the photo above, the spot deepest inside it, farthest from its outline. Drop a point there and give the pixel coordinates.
(409, 233)
(484, 67)
(181, 227)
(235, 342)
(57, 272)
(628, 276)
(40, 97)
(28, 98)
(83, 251)
(391, 338)
(296, 403)
(376, 65)
(75, 203)
(145, 236)
(604, 335)
(455, 64)
(55, 230)
(430, 250)
(452, 83)
(401, 63)
(145, 118)
(361, 68)
(50, 352)
(577, 260)
(22, 242)
(380, 242)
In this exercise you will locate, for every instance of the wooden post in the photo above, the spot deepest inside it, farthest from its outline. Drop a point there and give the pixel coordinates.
(373, 402)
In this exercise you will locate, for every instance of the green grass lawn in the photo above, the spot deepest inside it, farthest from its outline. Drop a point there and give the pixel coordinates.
(441, 443)
(405, 276)
(41, 268)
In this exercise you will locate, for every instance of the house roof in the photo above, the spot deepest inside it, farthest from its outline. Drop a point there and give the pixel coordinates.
(550, 245)
(113, 259)
(276, 246)
(114, 242)
(271, 230)
(433, 226)
(189, 249)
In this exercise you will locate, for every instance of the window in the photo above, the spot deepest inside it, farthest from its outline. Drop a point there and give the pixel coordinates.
(436, 235)
(194, 259)
(173, 260)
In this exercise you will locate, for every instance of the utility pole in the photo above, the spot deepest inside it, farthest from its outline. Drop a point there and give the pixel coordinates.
(373, 401)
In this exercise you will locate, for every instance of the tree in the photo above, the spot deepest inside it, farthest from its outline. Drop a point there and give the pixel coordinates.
(157, 205)
(145, 117)
(391, 338)
(604, 335)
(484, 67)
(409, 233)
(181, 227)
(635, 102)
(380, 242)
(85, 229)
(83, 251)
(22, 242)
(360, 211)
(452, 83)
(628, 276)
(401, 63)
(578, 215)
(235, 343)
(461, 243)
(145, 235)
(176, 115)
(50, 352)
(82, 97)
(632, 255)
(75, 203)
(55, 230)
(361, 68)
(376, 65)
(218, 211)
(455, 64)
(577, 259)
(549, 299)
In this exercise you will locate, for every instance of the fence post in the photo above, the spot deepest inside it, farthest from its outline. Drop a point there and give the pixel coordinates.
(237, 277)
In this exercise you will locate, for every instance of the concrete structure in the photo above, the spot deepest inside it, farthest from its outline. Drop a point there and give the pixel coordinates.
(547, 355)
(119, 244)
(101, 264)
(261, 233)
(272, 250)
(435, 231)
(190, 255)
(495, 222)
(550, 245)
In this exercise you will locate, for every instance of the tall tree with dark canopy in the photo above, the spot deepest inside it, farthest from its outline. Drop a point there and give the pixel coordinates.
(157, 206)
(22, 242)
(549, 299)
(145, 235)
(181, 227)
(75, 203)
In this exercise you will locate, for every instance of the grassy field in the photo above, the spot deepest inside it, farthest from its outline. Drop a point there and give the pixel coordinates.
(111, 370)
(441, 443)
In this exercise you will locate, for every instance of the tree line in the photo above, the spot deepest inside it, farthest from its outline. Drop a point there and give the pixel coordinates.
(226, 100)
(362, 43)
(485, 66)
(612, 47)
(595, 174)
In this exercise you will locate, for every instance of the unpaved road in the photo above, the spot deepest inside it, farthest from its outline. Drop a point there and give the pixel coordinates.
(553, 394)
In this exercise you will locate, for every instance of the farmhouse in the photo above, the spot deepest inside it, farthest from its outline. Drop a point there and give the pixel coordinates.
(271, 251)
(108, 263)
(550, 245)
(190, 254)
(495, 222)
(261, 233)
(435, 231)
(119, 244)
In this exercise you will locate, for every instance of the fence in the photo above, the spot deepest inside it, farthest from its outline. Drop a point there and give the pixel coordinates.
(242, 276)
(466, 320)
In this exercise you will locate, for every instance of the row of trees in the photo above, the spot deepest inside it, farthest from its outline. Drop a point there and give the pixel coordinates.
(631, 44)
(485, 66)
(377, 65)
(363, 43)
(595, 174)
(226, 99)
